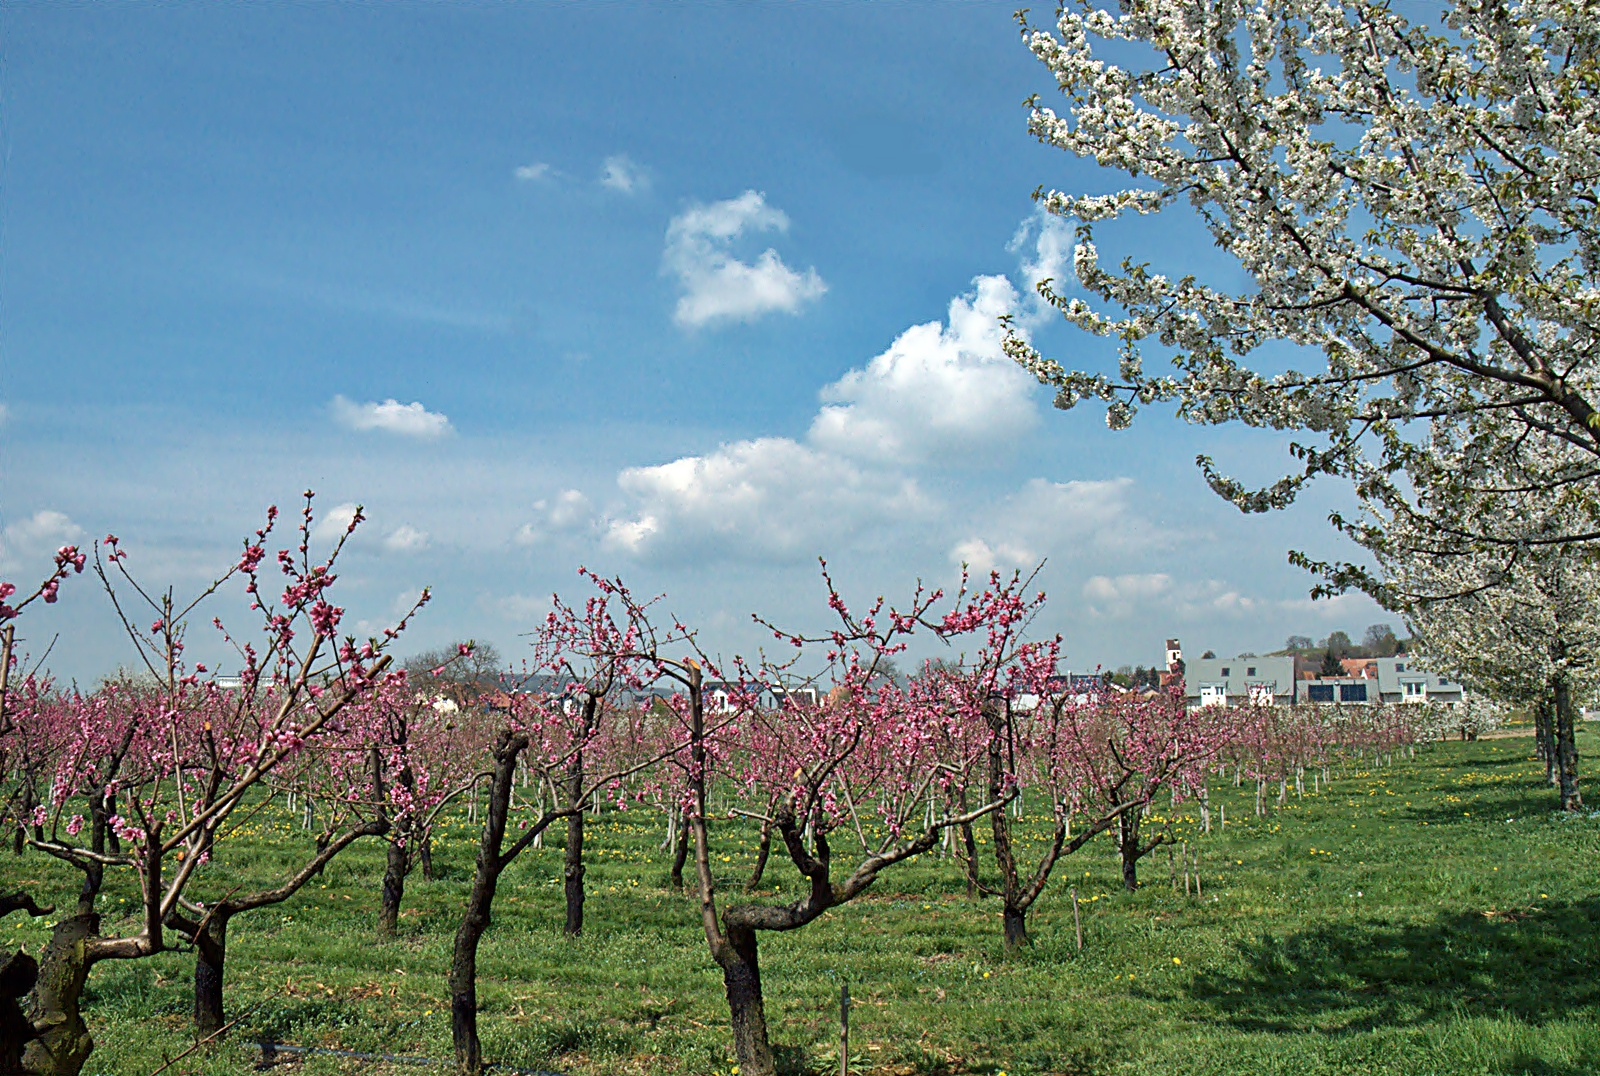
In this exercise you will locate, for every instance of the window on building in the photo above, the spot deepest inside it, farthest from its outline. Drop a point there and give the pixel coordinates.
(1352, 692)
(1225, 671)
(1319, 692)
(1414, 688)
(1399, 666)
(1251, 671)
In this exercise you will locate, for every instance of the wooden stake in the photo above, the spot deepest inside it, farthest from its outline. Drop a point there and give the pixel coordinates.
(1198, 895)
(844, 1029)
(1077, 924)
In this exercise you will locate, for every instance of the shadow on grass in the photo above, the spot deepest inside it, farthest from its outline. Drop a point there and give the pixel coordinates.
(1533, 965)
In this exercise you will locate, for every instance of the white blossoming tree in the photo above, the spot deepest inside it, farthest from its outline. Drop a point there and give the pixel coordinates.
(1415, 209)
(1521, 628)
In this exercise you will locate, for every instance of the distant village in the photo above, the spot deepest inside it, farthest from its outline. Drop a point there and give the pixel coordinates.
(1381, 668)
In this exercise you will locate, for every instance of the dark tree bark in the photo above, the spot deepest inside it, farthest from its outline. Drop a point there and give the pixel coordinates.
(425, 854)
(211, 952)
(741, 979)
(1566, 719)
(573, 869)
(18, 973)
(763, 850)
(394, 887)
(680, 854)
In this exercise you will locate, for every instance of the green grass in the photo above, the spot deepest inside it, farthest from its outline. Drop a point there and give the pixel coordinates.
(1433, 917)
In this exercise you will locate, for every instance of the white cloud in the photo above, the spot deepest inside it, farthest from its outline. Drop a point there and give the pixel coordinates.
(769, 498)
(5, 414)
(1123, 590)
(1050, 259)
(719, 287)
(982, 558)
(620, 174)
(569, 513)
(405, 539)
(334, 522)
(536, 171)
(37, 536)
(392, 416)
(938, 392)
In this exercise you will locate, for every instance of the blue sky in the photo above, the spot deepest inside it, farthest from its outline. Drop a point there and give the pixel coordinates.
(689, 293)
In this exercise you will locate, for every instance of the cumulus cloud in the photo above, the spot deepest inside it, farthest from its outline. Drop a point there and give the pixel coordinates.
(618, 173)
(334, 521)
(717, 286)
(391, 416)
(939, 391)
(405, 539)
(536, 171)
(37, 536)
(772, 497)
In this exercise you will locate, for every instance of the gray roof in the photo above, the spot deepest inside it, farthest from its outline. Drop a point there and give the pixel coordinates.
(1394, 673)
(1239, 674)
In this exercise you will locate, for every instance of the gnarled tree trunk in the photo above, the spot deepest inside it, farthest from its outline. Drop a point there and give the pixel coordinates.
(741, 978)
(63, 1042)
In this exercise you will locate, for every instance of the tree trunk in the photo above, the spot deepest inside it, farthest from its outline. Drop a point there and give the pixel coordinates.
(970, 847)
(475, 920)
(211, 952)
(394, 884)
(573, 869)
(18, 973)
(1566, 746)
(741, 976)
(1545, 733)
(1014, 921)
(1129, 825)
(64, 1043)
(762, 852)
(425, 854)
(680, 853)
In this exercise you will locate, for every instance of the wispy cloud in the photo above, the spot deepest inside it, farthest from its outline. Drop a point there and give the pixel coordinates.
(619, 173)
(718, 287)
(536, 171)
(43, 532)
(391, 416)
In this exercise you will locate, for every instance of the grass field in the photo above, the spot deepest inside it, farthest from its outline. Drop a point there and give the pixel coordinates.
(1433, 917)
